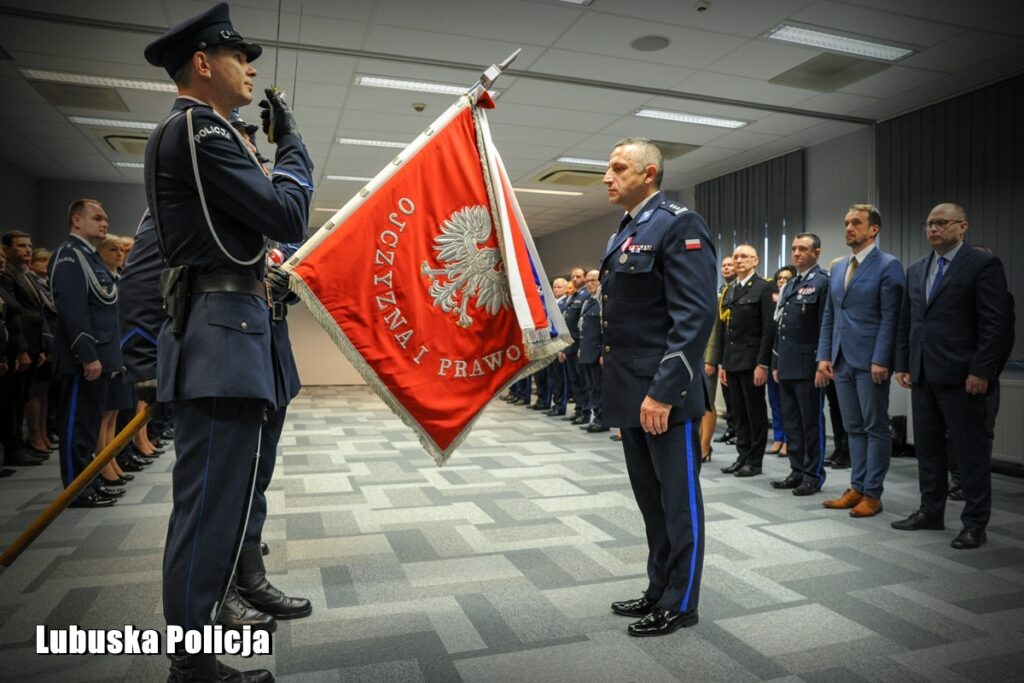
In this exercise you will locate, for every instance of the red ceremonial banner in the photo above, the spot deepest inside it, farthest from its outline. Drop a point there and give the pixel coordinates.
(414, 279)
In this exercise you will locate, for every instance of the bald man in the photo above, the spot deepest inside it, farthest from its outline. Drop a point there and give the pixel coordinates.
(949, 352)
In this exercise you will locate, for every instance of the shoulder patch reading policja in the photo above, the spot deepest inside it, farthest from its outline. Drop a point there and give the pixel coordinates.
(207, 131)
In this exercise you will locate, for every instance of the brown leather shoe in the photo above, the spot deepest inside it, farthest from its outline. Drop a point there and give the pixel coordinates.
(867, 507)
(849, 499)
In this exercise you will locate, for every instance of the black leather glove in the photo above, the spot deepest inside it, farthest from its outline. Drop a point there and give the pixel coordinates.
(277, 118)
(278, 278)
(145, 390)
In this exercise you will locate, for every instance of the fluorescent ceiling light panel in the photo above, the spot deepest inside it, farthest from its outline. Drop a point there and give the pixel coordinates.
(560, 193)
(838, 43)
(414, 86)
(372, 143)
(582, 162)
(112, 123)
(101, 81)
(353, 178)
(689, 118)
(128, 164)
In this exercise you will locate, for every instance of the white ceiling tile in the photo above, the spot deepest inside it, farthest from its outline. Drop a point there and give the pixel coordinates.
(740, 139)
(887, 25)
(466, 48)
(838, 103)
(610, 69)
(548, 117)
(736, 18)
(893, 81)
(764, 59)
(745, 89)
(1012, 22)
(964, 50)
(950, 11)
(611, 36)
(539, 23)
(541, 93)
(143, 12)
(658, 129)
(781, 124)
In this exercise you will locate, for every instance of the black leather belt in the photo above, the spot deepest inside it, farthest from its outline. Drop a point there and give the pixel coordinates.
(228, 283)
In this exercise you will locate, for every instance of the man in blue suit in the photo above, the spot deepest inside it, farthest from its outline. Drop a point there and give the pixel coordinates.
(658, 279)
(858, 338)
(949, 353)
(214, 209)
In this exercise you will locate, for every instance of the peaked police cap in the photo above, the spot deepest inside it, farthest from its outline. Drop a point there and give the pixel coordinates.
(212, 28)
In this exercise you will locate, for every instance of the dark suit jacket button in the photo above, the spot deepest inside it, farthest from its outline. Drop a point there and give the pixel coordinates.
(607, 349)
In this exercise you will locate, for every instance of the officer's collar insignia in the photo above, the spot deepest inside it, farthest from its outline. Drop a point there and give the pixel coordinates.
(645, 216)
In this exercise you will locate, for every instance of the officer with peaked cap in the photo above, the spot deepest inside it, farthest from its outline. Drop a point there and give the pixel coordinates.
(214, 210)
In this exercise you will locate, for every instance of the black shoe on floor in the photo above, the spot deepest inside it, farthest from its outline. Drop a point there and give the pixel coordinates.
(733, 468)
(969, 537)
(640, 607)
(789, 482)
(555, 412)
(842, 463)
(917, 521)
(662, 622)
(616, 437)
(597, 427)
(92, 500)
(236, 612)
(955, 494)
(747, 471)
(110, 492)
(726, 435)
(806, 488)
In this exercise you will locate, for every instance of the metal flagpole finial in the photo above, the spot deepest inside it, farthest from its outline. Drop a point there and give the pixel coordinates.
(488, 77)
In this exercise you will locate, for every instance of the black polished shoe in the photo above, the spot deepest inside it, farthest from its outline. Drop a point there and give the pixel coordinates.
(790, 482)
(733, 468)
(129, 466)
(110, 493)
(840, 463)
(571, 418)
(539, 406)
(747, 471)
(260, 593)
(92, 500)
(661, 622)
(555, 412)
(24, 456)
(236, 612)
(640, 607)
(597, 427)
(726, 435)
(917, 521)
(806, 488)
(969, 537)
(616, 437)
(955, 493)
(128, 477)
(227, 674)
(120, 481)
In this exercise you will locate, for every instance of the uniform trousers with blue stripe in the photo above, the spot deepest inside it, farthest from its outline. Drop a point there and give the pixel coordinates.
(264, 473)
(216, 440)
(664, 471)
(803, 416)
(81, 411)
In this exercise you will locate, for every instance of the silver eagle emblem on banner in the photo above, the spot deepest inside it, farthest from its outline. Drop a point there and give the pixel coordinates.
(468, 269)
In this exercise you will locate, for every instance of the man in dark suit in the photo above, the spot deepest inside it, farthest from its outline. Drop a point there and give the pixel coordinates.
(573, 311)
(590, 352)
(658, 294)
(746, 356)
(214, 209)
(557, 381)
(713, 360)
(949, 353)
(858, 339)
(799, 311)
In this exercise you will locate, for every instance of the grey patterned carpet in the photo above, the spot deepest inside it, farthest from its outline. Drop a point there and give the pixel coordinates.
(501, 566)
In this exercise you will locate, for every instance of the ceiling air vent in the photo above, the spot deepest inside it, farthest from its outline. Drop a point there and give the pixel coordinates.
(571, 176)
(80, 96)
(127, 144)
(828, 72)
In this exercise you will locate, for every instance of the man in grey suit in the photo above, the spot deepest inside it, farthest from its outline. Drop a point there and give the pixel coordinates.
(856, 347)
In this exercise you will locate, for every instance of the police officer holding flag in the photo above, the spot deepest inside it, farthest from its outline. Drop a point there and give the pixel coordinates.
(214, 210)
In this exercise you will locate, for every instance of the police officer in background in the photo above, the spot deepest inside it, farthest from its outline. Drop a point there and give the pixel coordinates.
(590, 351)
(214, 210)
(800, 307)
(85, 345)
(746, 357)
(658, 293)
(570, 357)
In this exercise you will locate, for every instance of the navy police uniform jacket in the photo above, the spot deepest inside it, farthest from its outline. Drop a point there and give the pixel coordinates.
(140, 308)
(217, 210)
(749, 332)
(572, 313)
(590, 331)
(801, 306)
(658, 280)
(85, 295)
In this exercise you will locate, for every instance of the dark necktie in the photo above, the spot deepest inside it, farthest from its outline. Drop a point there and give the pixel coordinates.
(625, 221)
(938, 277)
